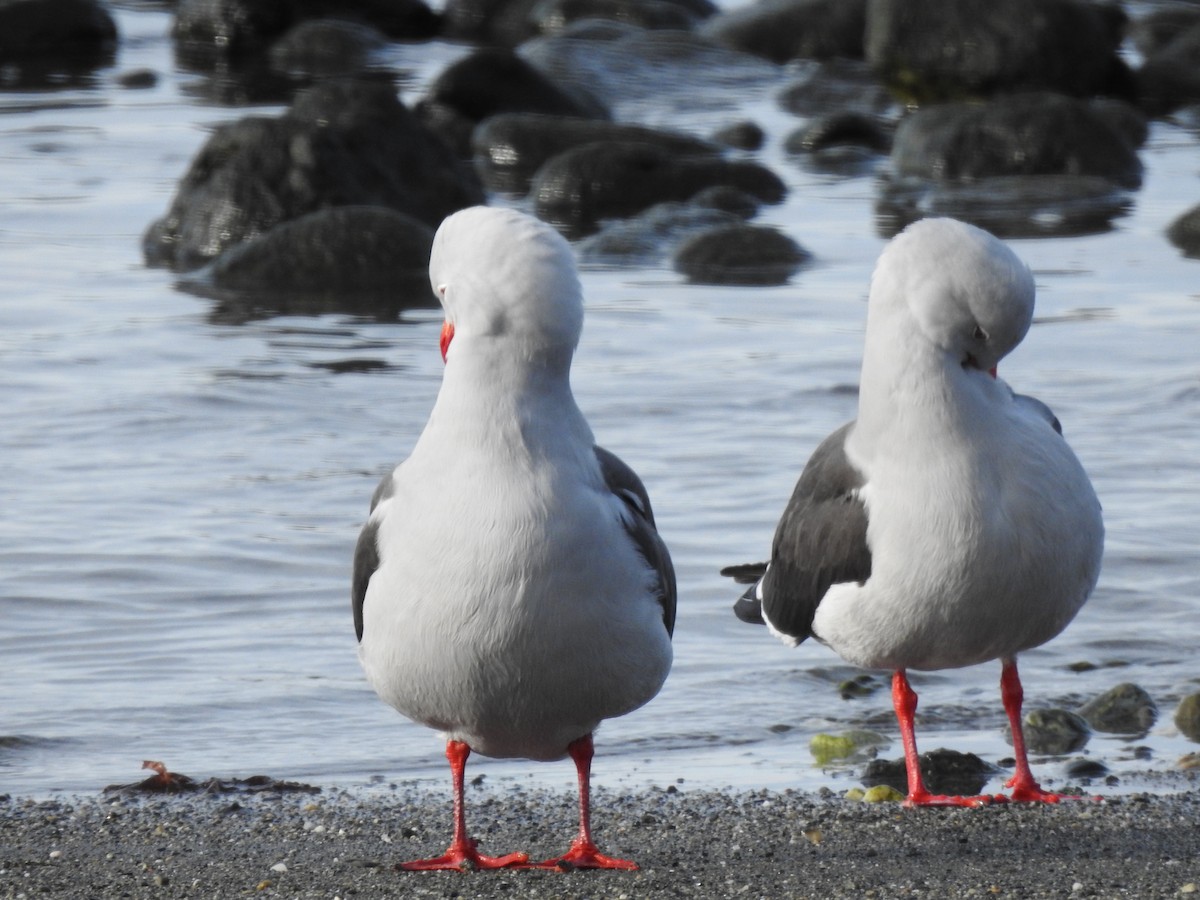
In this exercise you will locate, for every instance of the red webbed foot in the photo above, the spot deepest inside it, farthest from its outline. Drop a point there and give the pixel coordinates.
(464, 858)
(924, 798)
(586, 856)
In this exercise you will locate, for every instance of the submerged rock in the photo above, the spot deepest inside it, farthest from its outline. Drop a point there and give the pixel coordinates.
(1054, 732)
(550, 16)
(617, 179)
(343, 143)
(955, 49)
(1184, 233)
(752, 255)
(363, 260)
(1187, 717)
(1124, 709)
(944, 772)
(509, 148)
(836, 86)
(495, 80)
(783, 30)
(1170, 76)
(53, 43)
(649, 237)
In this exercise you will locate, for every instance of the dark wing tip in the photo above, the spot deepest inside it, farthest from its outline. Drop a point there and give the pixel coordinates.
(366, 561)
(745, 573)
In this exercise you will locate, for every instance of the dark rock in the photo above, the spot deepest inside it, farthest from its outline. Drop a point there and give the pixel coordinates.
(727, 199)
(783, 30)
(550, 16)
(364, 260)
(343, 143)
(1008, 206)
(206, 31)
(491, 81)
(953, 49)
(741, 136)
(1152, 32)
(834, 86)
(1170, 77)
(509, 148)
(1187, 717)
(1023, 134)
(626, 66)
(1054, 732)
(138, 79)
(1184, 233)
(325, 47)
(944, 772)
(505, 22)
(837, 129)
(1124, 709)
(612, 179)
(739, 254)
(648, 238)
(53, 43)
(1086, 768)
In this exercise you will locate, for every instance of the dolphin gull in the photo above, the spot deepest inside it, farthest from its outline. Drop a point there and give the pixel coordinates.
(510, 589)
(949, 524)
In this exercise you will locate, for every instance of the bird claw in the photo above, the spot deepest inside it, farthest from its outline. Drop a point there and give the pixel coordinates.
(1029, 791)
(927, 799)
(585, 856)
(465, 858)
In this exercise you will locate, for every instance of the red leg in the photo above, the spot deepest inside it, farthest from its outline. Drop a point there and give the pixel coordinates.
(904, 698)
(1024, 788)
(583, 853)
(462, 853)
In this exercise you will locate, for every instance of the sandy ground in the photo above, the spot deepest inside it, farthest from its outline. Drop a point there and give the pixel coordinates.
(688, 843)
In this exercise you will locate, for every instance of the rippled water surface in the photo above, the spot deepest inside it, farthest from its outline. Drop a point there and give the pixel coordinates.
(181, 497)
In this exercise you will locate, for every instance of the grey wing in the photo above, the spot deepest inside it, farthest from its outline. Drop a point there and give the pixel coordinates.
(821, 540)
(1039, 408)
(366, 556)
(626, 485)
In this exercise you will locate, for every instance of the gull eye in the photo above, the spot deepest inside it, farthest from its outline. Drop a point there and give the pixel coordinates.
(980, 334)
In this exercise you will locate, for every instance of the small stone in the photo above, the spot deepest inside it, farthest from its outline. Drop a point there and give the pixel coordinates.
(1187, 717)
(56, 854)
(1189, 888)
(882, 793)
(1054, 731)
(739, 255)
(279, 867)
(1124, 709)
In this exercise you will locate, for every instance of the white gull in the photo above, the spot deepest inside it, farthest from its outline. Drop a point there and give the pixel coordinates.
(950, 523)
(510, 589)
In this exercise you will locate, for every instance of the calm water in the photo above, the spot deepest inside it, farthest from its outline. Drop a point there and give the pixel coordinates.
(181, 498)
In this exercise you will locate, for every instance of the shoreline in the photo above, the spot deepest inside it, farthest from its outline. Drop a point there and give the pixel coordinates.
(689, 843)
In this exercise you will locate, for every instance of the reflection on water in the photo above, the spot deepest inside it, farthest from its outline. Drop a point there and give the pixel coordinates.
(182, 493)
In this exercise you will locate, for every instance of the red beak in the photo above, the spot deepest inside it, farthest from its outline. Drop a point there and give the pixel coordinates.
(447, 337)
(991, 371)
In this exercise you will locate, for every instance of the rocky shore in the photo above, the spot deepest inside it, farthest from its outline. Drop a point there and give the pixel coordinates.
(689, 843)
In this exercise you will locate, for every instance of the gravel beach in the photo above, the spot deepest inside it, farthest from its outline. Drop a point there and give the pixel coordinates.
(689, 843)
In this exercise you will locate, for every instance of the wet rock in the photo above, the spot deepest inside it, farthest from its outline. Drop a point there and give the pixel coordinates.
(1023, 134)
(1085, 768)
(1184, 233)
(325, 47)
(648, 238)
(47, 43)
(835, 86)
(343, 143)
(944, 772)
(951, 49)
(362, 260)
(741, 135)
(863, 685)
(504, 22)
(491, 81)
(845, 142)
(783, 30)
(626, 67)
(1053, 732)
(167, 782)
(850, 746)
(1187, 717)
(739, 254)
(550, 16)
(727, 199)
(616, 179)
(1124, 709)
(509, 148)
(1170, 77)
(207, 31)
